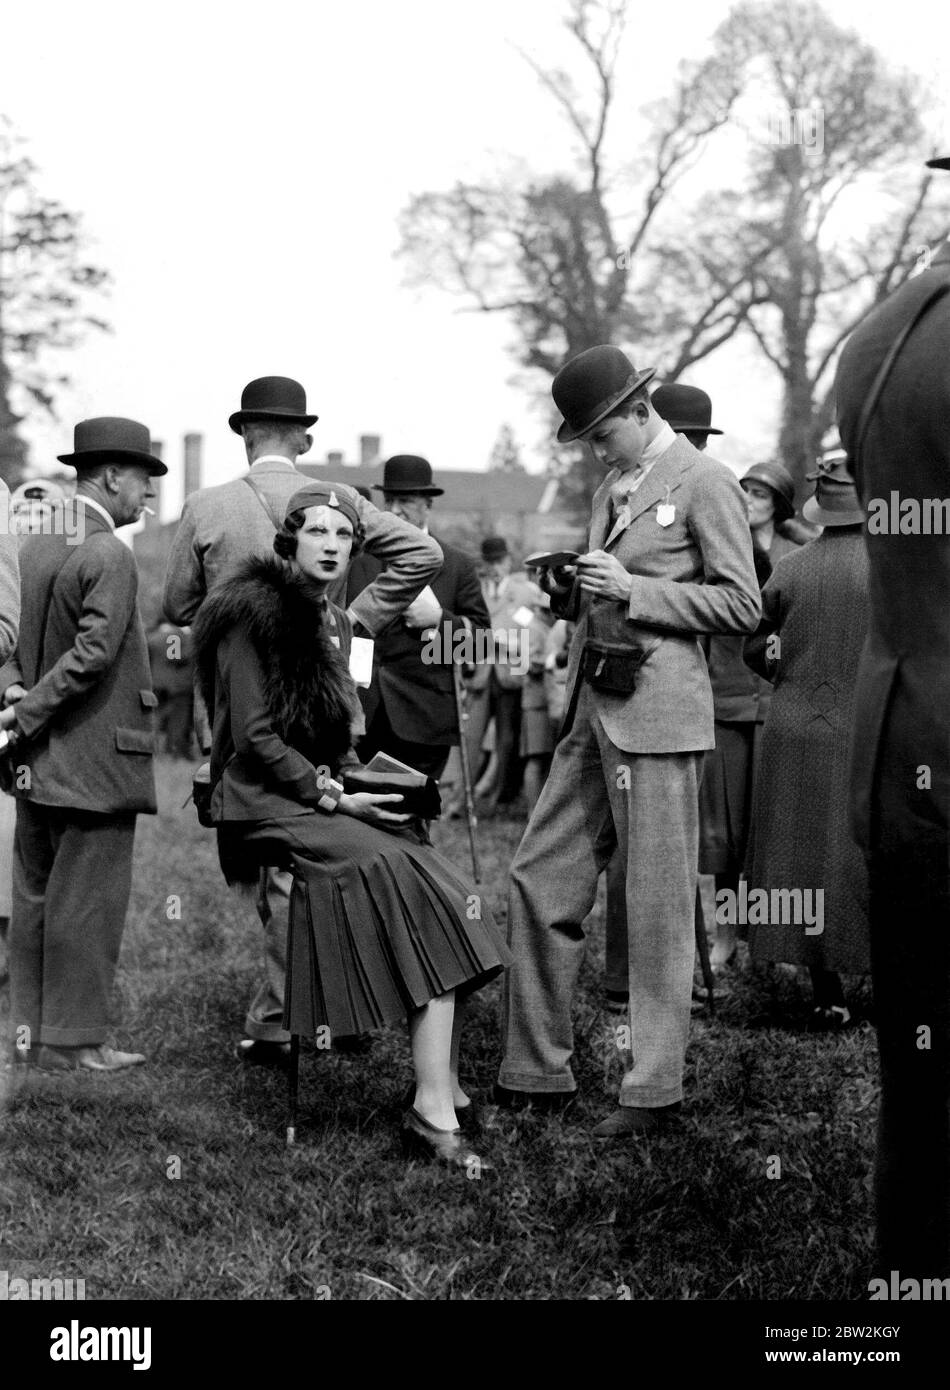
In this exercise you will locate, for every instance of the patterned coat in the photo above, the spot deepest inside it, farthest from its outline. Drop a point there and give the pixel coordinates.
(817, 603)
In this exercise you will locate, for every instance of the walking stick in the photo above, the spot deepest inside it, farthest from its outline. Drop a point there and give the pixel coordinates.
(461, 712)
(702, 945)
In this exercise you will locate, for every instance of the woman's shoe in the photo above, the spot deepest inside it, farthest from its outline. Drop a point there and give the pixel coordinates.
(422, 1140)
(467, 1115)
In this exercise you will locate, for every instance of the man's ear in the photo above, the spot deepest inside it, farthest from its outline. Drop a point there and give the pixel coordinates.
(308, 444)
(112, 477)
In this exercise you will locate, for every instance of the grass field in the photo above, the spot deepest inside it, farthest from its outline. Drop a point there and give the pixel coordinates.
(90, 1187)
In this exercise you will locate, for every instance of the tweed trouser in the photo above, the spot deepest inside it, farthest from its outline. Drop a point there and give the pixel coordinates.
(72, 875)
(596, 797)
(265, 1012)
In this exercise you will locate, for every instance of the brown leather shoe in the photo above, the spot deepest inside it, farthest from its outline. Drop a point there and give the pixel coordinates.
(101, 1058)
(633, 1119)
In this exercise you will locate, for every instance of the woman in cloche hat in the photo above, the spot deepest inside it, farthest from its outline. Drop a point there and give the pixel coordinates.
(816, 603)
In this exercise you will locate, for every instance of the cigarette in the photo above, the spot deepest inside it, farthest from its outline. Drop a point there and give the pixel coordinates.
(149, 510)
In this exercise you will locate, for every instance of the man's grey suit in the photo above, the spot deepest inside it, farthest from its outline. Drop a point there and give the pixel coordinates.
(626, 771)
(221, 527)
(84, 770)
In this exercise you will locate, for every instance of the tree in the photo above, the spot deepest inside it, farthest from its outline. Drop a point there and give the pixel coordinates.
(771, 257)
(828, 123)
(556, 254)
(46, 286)
(506, 454)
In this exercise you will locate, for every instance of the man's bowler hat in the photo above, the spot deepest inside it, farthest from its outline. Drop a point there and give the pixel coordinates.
(111, 439)
(494, 548)
(591, 385)
(778, 478)
(272, 398)
(835, 502)
(686, 409)
(408, 473)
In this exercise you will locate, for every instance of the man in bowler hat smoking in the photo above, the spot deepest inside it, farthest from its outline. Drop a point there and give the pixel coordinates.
(78, 701)
(221, 527)
(670, 560)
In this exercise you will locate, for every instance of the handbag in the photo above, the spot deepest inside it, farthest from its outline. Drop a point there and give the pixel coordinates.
(420, 793)
(611, 667)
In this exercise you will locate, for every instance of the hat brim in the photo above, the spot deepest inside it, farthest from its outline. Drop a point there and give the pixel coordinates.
(90, 458)
(681, 427)
(246, 417)
(942, 162)
(567, 435)
(429, 491)
(812, 512)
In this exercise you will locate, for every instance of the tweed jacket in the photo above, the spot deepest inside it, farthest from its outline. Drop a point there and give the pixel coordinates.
(87, 718)
(903, 696)
(418, 697)
(222, 526)
(691, 577)
(9, 577)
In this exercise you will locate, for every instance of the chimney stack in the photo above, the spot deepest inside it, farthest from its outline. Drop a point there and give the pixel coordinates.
(369, 449)
(335, 458)
(192, 463)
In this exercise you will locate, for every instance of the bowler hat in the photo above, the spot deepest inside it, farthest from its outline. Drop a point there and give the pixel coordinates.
(940, 162)
(835, 502)
(408, 473)
(591, 385)
(111, 439)
(494, 548)
(778, 478)
(272, 398)
(684, 408)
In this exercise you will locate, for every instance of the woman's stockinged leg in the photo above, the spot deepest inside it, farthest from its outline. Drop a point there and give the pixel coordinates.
(430, 1036)
(459, 1097)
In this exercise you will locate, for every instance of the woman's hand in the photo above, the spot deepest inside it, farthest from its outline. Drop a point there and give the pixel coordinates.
(368, 806)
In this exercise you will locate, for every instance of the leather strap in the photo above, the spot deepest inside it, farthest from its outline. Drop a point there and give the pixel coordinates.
(264, 501)
(884, 371)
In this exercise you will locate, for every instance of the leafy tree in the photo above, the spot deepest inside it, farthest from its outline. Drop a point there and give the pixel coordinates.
(46, 286)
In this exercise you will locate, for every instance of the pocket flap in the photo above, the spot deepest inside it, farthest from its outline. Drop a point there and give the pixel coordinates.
(149, 699)
(134, 741)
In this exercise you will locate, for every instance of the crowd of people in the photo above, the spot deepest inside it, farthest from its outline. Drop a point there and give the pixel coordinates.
(681, 699)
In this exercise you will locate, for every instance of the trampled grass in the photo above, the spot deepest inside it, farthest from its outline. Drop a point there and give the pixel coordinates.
(174, 1182)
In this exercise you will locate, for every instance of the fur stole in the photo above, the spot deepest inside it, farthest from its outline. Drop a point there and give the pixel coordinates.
(307, 685)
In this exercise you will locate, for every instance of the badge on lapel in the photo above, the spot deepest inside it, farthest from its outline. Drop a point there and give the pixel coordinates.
(666, 512)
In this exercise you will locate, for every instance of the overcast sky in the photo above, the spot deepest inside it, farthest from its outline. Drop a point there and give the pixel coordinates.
(240, 169)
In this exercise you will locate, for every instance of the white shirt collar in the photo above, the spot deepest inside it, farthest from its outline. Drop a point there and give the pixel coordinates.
(96, 506)
(275, 458)
(658, 445)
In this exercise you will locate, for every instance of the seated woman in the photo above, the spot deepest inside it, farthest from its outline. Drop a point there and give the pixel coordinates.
(384, 926)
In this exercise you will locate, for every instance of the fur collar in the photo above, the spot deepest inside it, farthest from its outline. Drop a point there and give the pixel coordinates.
(307, 685)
